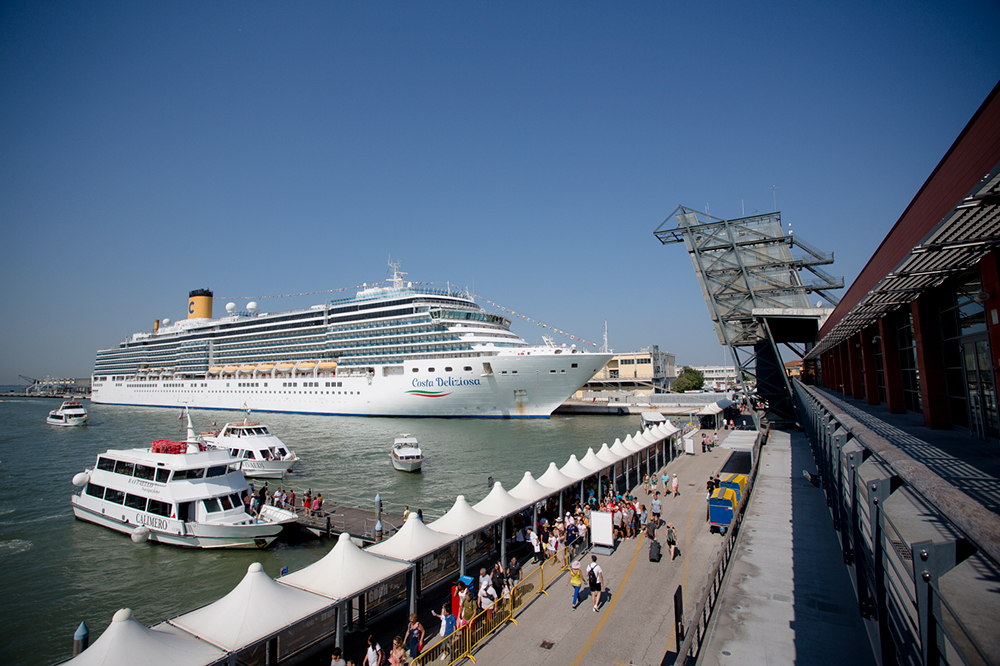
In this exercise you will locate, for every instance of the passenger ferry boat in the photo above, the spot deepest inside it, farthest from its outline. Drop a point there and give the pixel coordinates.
(394, 350)
(178, 493)
(406, 455)
(70, 413)
(262, 455)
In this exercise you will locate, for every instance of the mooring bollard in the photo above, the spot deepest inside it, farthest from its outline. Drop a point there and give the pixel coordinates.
(328, 527)
(81, 639)
(378, 531)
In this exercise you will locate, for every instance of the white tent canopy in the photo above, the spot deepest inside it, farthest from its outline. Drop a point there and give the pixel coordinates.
(345, 571)
(529, 489)
(412, 541)
(648, 438)
(499, 503)
(667, 429)
(555, 479)
(607, 455)
(256, 609)
(574, 470)
(715, 408)
(592, 462)
(634, 444)
(619, 449)
(127, 641)
(461, 519)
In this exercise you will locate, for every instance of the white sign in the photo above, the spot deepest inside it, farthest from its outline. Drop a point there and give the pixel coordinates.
(601, 533)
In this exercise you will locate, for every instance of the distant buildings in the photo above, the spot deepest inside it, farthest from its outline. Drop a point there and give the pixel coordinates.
(717, 377)
(643, 372)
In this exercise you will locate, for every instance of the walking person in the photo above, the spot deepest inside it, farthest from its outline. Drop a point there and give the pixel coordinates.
(675, 486)
(656, 507)
(414, 636)
(374, 655)
(672, 540)
(595, 578)
(576, 580)
(536, 545)
(397, 655)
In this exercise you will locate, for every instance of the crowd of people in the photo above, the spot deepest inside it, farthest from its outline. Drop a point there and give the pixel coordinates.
(309, 504)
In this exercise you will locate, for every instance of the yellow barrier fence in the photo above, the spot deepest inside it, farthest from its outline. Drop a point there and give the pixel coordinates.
(463, 641)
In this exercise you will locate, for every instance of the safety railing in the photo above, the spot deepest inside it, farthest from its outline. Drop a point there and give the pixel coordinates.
(696, 631)
(924, 554)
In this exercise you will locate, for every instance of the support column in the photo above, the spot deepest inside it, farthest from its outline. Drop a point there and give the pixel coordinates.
(890, 364)
(868, 363)
(843, 370)
(989, 271)
(930, 361)
(854, 356)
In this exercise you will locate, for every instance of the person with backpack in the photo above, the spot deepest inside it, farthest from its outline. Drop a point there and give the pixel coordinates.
(672, 540)
(595, 578)
(374, 656)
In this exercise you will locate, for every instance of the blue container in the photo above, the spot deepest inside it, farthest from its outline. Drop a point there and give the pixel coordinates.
(469, 583)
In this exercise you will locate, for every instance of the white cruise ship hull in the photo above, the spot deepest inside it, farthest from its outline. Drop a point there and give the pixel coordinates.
(522, 383)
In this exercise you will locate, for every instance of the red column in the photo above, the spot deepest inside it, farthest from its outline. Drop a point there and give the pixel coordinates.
(845, 370)
(890, 364)
(854, 357)
(989, 271)
(868, 363)
(930, 361)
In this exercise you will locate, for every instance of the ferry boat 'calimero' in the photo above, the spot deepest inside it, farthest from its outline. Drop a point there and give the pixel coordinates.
(394, 350)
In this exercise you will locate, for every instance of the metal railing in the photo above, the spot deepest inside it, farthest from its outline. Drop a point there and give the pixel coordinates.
(924, 554)
(696, 631)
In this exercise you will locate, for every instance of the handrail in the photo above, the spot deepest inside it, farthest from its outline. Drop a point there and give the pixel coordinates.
(978, 523)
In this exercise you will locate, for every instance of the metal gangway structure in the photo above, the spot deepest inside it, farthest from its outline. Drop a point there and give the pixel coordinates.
(758, 292)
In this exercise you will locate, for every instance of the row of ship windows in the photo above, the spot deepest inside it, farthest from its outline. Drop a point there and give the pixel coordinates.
(156, 507)
(158, 475)
(287, 384)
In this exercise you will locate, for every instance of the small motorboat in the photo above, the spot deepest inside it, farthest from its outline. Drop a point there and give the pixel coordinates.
(70, 413)
(262, 454)
(405, 454)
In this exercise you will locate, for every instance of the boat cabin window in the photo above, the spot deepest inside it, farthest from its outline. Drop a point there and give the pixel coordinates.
(159, 508)
(221, 470)
(135, 502)
(249, 455)
(282, 452)
(107, 464)
(95, 490)
(162, 475)
(116, 496)
(184, 474)
(122, 467)
(226, 502)
(212, 505)
(144, 472)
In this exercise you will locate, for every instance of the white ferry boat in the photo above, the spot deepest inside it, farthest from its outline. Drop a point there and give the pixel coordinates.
(70, 413)
(394, 350)
(261, 454)
(406, 455)
(179, 493)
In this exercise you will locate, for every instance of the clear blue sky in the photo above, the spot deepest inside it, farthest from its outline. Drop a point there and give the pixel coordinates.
(527, 150)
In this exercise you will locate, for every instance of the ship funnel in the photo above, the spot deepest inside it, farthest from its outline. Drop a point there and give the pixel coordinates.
(200, 304)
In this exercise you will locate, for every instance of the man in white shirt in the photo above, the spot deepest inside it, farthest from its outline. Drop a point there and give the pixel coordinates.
(535, 544)
(595, 577)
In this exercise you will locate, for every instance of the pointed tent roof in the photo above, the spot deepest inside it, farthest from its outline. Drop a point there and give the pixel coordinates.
(126, 640)
(555, 479)
(645, 439)
(607, 455)
(461, 519)
(412, 541)
(529, 489)
(619, 449)
(574, 470)
(344, 572)
(634, 444)
(499, 503)
(237, 619)
(592, 462)
(668, 429)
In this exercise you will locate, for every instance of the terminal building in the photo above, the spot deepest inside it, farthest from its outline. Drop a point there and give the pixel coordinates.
(717, 377)
(919, 330)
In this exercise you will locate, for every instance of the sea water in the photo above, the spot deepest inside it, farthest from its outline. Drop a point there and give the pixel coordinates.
(59, 571)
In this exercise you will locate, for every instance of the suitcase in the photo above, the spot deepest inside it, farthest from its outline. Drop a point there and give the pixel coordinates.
(654, 551)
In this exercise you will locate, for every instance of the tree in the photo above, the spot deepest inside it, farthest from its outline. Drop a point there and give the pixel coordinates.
(689, 380)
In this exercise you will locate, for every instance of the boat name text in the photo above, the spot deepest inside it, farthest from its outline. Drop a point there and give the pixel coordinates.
(444, 381)
(155, 522)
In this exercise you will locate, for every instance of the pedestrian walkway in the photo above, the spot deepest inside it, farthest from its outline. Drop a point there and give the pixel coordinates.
(788, 596)
(635, 620)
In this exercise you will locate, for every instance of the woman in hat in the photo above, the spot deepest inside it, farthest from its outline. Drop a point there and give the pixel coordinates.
(576, 580)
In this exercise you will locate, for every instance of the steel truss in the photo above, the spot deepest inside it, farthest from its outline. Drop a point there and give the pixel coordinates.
(752, 282)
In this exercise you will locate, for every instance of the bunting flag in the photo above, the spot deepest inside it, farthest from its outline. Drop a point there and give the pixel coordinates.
(503, 309)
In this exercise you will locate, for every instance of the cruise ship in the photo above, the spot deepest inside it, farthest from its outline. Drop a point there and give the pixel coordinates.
(395, 349)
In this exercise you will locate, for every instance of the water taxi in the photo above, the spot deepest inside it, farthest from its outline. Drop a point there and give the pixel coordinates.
(70, 413)
(178, 493)
(406, 455)
(262, 455)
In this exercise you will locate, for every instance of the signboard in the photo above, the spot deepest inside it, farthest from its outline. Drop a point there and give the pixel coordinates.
(601, 533)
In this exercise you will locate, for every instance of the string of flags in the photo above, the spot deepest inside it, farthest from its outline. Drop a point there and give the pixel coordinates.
(514, 313)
